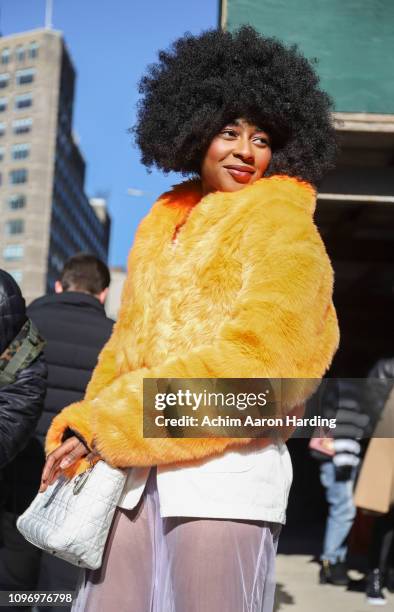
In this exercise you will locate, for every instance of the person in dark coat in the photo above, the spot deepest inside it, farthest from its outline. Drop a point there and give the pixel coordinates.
(75, 327)
(21, 399)
(373, 492)
(22, 388)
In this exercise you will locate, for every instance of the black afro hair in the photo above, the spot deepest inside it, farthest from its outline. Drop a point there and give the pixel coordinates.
(203, 82)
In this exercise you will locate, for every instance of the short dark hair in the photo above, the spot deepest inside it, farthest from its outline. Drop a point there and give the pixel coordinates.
(85, 272)
(204, 82)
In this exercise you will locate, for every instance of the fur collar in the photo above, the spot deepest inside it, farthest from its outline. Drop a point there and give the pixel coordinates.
(187, 194)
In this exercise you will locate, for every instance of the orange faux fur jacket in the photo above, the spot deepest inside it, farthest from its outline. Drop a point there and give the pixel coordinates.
(245, 291)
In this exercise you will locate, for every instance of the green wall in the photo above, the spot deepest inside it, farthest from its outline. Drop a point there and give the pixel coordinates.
(353, 41)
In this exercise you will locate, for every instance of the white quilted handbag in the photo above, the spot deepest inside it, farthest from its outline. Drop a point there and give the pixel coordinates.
(72, 518)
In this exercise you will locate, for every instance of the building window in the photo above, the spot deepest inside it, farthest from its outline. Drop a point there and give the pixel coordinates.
(13, 252)
(5, 56)
(14, 226)
(17, 275)
(22, 126)
(20, 53)
(20, 151)
(18, 176)
(2, 129)
(23, 101)
(33, 49)
(2, 153)
(4, 80)
(16, 201)
(3, 104)
(25, 76)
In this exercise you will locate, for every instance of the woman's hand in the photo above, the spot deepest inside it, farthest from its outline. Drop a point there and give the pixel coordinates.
(60, 459)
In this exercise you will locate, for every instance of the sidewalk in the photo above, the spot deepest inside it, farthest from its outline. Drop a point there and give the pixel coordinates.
(298, 589)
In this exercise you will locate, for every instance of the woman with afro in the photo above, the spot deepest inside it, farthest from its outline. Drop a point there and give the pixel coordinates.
(227, 278)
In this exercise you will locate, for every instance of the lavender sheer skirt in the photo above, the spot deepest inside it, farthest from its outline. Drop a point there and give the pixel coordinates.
(154, 564)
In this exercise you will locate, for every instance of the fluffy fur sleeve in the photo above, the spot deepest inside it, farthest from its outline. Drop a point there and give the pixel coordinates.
(283, 325)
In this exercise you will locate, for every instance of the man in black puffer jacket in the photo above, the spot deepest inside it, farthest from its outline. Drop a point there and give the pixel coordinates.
(75, 327)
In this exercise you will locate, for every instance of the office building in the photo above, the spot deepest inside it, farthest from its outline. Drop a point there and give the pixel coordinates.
(46, 215)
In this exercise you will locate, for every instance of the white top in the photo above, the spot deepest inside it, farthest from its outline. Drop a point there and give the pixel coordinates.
(240, 484)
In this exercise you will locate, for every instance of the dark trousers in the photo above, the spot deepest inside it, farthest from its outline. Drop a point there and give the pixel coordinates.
(381, 552)
(23, 567)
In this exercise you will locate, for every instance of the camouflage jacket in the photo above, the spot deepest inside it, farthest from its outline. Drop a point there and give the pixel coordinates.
(20, 353)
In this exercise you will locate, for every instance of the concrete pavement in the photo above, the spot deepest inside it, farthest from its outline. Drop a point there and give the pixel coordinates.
(298, 589)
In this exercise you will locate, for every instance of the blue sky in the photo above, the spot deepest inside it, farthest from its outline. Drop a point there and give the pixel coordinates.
(111, 42)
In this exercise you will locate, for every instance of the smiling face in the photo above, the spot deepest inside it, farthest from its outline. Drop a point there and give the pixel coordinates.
(238, 156)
